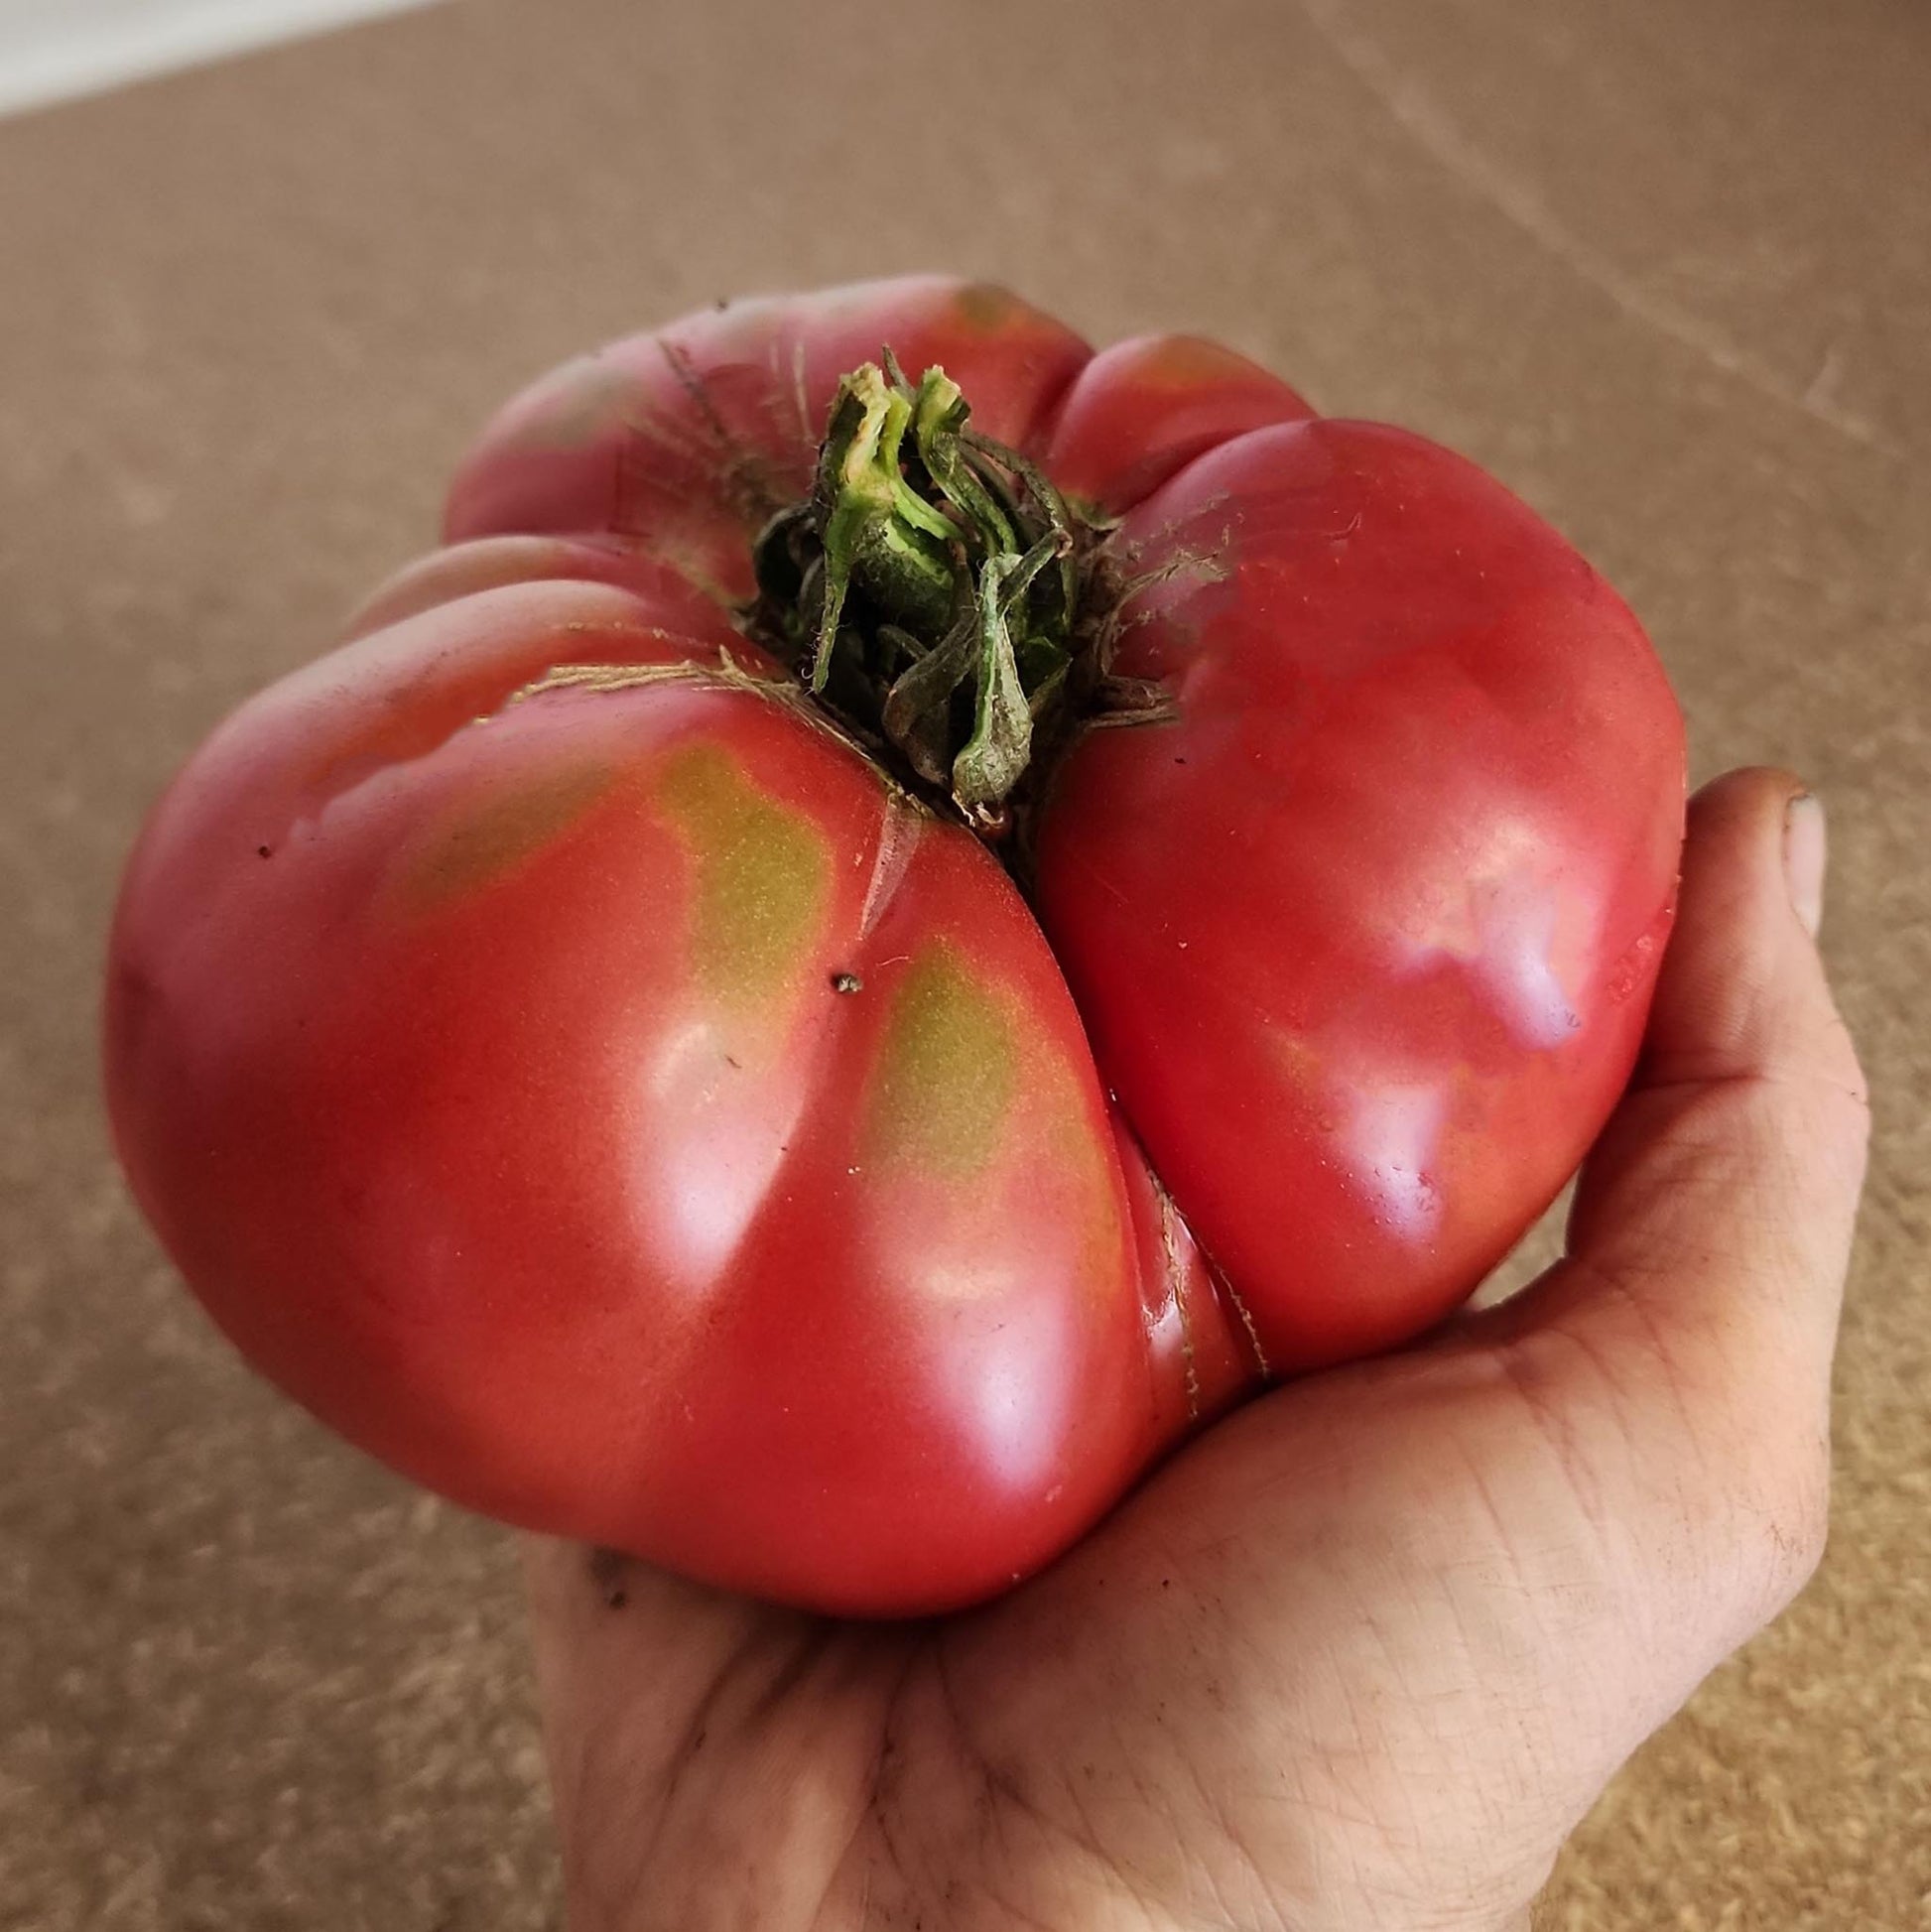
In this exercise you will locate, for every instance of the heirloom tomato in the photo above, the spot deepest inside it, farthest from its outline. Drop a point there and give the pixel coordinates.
(902, 913)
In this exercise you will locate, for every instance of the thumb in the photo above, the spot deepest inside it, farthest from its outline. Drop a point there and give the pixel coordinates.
(1711, 1226)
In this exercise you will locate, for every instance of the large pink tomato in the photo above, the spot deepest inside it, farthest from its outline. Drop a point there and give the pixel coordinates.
(860, 950)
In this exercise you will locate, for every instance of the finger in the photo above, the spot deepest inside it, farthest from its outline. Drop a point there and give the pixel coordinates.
(1724, 1190)
(1711, 1226)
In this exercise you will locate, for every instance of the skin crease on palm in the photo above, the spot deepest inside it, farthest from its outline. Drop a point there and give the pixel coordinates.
(1363, 1654)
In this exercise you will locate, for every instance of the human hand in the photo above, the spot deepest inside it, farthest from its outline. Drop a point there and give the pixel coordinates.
(1362, 1654)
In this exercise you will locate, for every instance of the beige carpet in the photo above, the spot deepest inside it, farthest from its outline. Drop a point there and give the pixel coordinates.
(1665, 265)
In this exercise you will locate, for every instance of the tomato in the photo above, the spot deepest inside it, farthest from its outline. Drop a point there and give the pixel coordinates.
(804, 1001)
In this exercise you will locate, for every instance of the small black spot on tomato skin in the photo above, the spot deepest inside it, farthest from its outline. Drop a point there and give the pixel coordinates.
(846, 982)
(263, 851)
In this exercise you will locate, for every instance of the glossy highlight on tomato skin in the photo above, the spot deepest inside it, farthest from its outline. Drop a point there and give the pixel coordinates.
(593, 1087)
(1395, 864)
(574, 1095)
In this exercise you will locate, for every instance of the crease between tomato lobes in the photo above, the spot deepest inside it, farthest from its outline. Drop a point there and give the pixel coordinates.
(609, 1098)
(627, 907)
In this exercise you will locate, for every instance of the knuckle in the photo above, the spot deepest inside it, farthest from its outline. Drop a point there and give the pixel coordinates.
(1786, 1522)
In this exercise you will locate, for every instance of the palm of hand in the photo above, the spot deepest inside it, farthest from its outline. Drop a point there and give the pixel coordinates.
(1359, 1657)
(1287, 1673)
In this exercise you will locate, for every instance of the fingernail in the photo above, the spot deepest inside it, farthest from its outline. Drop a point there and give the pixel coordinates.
(1803, 859)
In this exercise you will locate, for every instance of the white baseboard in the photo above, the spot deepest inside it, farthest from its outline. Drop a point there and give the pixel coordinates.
(55, 49)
